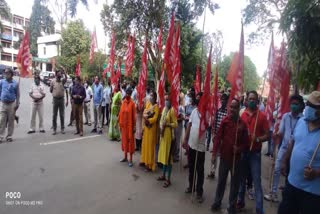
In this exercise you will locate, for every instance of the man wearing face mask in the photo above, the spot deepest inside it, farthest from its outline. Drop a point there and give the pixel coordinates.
(37, 94)
(302, 192)
(127, 123)
(58, 91)
(9, 103)
(287, 126)
(87, 104)
(258, 127)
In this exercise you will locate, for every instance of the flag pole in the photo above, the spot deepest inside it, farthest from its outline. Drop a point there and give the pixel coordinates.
(314, 155)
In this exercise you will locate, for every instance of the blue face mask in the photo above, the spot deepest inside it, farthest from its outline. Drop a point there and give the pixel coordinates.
(310, 113)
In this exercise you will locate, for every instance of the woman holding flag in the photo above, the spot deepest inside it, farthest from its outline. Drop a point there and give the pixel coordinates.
(168, 123)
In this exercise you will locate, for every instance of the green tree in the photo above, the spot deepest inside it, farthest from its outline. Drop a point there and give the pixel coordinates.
(75, 41)
(301, 22)
(72, 6)
(263, 16)
(40, 21)
(251, 78)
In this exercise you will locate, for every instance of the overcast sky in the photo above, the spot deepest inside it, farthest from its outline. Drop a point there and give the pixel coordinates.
(227, 19)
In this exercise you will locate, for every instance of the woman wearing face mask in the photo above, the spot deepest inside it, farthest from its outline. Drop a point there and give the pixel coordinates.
(127, 123)
(168, 123)
(149, 140)
(114, 132)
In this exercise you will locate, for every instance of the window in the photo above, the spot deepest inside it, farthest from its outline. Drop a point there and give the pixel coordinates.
(44, 51)
(6, 44)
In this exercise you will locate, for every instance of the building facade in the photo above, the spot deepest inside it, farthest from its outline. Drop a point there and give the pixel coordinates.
(13, 31)
(48, 49)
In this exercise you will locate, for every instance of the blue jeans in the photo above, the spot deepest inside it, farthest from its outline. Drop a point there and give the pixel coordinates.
(277, 169)
(253, 159)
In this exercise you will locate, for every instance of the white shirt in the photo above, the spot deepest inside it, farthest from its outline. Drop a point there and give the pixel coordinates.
(37, 91)
(194, 141)
(88, 94)
(187, 100)
(123, 93)
(134, 95)
(106, 96)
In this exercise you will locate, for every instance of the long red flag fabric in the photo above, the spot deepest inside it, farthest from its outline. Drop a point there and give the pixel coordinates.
(161, 90)
(215, 96)
(236, 72)
(78, 67)
(270, 107)
(93, 45)
(203, 107)
(284, 73)
(169, 51)
(197, 84)
(141, 88)
(175, 86)
(118, 72)
(130, 56)
(110, 67)
(23, 57)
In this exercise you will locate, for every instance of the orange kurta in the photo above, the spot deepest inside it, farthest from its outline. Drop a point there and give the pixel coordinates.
(127, 122)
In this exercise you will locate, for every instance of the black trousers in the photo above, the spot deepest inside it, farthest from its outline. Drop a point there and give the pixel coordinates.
(224, 169)
(297, 201)
(199, 170)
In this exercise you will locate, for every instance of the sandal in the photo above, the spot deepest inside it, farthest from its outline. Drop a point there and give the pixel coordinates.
(161, 178)
(123, 160)
(166, 184)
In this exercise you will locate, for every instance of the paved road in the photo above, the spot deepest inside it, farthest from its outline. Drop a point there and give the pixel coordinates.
(71, 175)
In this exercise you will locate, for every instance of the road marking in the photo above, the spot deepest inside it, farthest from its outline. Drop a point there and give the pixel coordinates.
(68, 140)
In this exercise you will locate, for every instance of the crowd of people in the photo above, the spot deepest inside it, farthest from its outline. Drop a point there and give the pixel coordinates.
(237, 131)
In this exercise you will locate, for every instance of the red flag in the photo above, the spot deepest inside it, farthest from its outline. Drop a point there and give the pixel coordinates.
(141, 88)
(284, 105)
(236, 72)
(169, 52)
(110, 67)
(215, 96)
(78, 67)
(160, 40)
(175, 86)
(270, 107)
(203, 107)
(197, 84)
(118, 72)
(161, 90)
(24, 56)
(93, 45)
(130, 56)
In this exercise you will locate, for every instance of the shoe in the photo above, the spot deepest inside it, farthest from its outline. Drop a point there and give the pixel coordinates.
(130, 164)
(54, 133)
(9, 139)
(31, 132)
(100, 132)
(211, 175)
(89, 124)
(251, 194)
(188, 190)
(94, 131)
(62, 131)
(240, 205)
(70, 124)
(186, 166)
(17, 119)
(76, 133)
(215, 207)
(86, 123)
(81, 134)
(42, 131)
(199, 199)
(123, 160)
(267, 154)
(271, 197)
